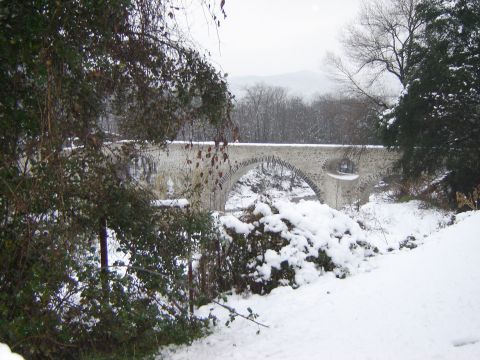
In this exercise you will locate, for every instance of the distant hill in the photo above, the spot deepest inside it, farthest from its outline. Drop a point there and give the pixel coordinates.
(302, 83)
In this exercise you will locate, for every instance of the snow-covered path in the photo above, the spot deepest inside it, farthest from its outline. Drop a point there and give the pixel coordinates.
(418, 304)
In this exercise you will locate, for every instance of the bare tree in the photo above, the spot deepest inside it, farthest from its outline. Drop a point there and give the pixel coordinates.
(379, 43)
(342, 120)
(270, 114)
(259, 112)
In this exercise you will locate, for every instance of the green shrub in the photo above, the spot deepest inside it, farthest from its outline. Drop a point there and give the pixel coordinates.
(55, 302)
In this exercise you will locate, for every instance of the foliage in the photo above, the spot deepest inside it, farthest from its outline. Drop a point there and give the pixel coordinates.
(236, 257)
(245, 253)
(430, 190)
(436, 123)
(470, 200)
(65, 67)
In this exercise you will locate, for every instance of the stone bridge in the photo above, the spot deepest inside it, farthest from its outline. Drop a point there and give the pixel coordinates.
(338, 174)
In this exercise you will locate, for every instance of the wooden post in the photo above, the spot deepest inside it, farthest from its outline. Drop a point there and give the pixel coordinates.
(103, 236)
(190, 285)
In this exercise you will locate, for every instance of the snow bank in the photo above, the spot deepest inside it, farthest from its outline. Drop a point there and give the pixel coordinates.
(309, 228)
(418, 304)
(387, 224)
(6, 354)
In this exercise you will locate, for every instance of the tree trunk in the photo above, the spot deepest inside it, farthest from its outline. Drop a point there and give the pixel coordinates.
(190, 285)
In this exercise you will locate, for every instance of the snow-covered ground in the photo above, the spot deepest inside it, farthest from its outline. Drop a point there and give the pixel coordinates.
(407, 302)
(417, 296)
(272, 182)
(389, 225)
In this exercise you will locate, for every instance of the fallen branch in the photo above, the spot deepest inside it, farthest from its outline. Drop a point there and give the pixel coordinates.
(234, 313)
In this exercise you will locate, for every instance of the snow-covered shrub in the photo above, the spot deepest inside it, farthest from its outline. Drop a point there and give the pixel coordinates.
(289, 244)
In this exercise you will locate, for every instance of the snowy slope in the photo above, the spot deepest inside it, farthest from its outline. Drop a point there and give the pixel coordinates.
(414, 304)
(387, 223)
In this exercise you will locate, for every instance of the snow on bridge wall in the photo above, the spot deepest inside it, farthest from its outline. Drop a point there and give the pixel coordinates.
(338, 174)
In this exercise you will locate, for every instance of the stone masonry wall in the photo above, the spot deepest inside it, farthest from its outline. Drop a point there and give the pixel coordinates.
(205, 175)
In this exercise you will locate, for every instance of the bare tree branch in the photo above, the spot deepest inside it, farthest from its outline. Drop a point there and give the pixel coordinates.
(379, 42)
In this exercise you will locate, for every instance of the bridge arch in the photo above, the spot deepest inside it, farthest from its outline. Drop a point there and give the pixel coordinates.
(228, 180)
(366, 185)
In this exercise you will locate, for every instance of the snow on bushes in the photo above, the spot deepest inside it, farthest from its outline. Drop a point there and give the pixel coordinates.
(283, 243)
(239, 227)
(291, 244)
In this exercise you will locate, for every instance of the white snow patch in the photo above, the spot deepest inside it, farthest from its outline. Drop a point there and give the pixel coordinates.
(280, 145)
(387, 224)
(117, 256)
(263, 209)
(179, 203)
(231, 222)
(340, 176)
(6, 353)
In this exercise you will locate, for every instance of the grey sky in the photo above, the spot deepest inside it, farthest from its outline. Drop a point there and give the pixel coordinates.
(267, 37)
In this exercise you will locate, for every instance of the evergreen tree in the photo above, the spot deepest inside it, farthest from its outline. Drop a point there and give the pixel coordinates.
(436, 122)
(65, 65)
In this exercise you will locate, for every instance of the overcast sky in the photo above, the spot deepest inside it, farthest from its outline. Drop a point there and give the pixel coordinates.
(269, 37)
